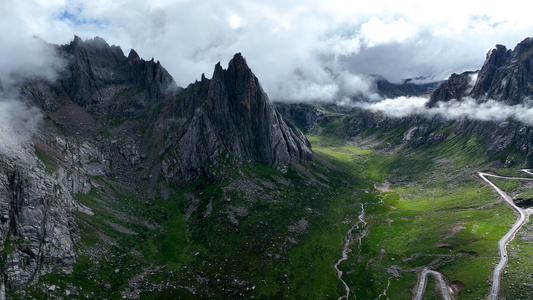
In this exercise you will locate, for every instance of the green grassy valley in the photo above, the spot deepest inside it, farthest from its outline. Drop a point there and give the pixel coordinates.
(250, 231)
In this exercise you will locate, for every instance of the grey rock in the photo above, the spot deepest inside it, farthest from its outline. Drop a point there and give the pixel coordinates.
(456, 87)
(506, 76)
(496, 58)
(37, 222)
(229, 112)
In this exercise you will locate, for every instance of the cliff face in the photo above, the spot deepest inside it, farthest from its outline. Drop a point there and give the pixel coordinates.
(230, 113)
(123, 119)
(506, 76)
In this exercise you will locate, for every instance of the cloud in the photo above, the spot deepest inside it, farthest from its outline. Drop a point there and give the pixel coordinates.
(27, 57)
(490, 110)
(319, 40)
(375, 32)
(22, 56)
(18, 122)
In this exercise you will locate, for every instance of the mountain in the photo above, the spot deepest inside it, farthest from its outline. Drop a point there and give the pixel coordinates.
(230, 112)
(506, 76)
(118, 184)
(116, 127)
(406, 88)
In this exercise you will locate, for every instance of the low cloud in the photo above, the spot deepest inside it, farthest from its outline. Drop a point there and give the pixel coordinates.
(280, 38)
(27, 58)
(490, 110)
(22, 58)
(18, 122)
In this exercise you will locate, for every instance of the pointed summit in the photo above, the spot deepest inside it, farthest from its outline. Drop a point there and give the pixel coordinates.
(232, 114)
(2, 94)
(495, 59)
(506, 76)
(238, 62)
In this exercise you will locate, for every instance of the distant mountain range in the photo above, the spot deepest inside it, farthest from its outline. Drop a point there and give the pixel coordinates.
(409, 87)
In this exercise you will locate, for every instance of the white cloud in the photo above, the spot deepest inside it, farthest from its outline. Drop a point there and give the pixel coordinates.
(18, 122)
(235, 21)
(407, 38)
(467, 108)
(376, 32)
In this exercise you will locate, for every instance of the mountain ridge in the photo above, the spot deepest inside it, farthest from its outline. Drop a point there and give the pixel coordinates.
(505, 76)
(112, 122)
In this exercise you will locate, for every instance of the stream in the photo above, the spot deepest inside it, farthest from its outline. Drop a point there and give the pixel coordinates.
(348, 241)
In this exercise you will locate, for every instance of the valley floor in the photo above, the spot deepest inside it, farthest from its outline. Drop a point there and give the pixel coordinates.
(445, 219)
(363, 221)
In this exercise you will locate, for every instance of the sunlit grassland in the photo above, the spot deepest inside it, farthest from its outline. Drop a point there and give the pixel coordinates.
(450, 226)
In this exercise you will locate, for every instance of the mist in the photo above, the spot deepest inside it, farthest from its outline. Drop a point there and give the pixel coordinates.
(300, 52)
(18, 122)
(27, 58)
(22, 58)
(490, 110)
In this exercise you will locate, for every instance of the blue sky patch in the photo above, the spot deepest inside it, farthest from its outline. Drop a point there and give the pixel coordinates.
(74, 18)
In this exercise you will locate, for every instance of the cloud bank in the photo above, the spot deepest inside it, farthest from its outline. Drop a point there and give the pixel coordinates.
(490, 110)
(18, 122)
(310, 50)
(22, 56)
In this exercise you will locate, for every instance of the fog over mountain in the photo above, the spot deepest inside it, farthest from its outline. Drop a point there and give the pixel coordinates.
(18, 122)
(490, 110)
(302, 51)
(22, 58)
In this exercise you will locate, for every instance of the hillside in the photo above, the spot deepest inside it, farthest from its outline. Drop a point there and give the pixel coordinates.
(118, 184)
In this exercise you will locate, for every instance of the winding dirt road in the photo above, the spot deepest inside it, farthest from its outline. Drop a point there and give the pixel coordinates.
(423, 281)
(509, 236)
(502, 243)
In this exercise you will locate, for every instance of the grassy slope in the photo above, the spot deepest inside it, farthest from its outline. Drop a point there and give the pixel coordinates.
(242, 238)
(434, 191)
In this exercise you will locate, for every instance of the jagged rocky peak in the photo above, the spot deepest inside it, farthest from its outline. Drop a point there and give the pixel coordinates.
(455, 87)
(2, 94)
(231, 113)
(506, 76)
(94, 65)
(495, 59)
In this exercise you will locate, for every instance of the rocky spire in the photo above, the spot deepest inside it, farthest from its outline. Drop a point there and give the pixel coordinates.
(231, 113)
(2, 93)
(496, 58)
(94, 65)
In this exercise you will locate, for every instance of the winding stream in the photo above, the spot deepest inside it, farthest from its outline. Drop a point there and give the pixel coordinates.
(348, 241)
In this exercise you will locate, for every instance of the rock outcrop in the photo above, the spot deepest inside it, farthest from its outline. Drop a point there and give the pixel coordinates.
(506, 76)
(37, 229)
(108, 116)
(456, 87)
(230, 113)
(496, 58)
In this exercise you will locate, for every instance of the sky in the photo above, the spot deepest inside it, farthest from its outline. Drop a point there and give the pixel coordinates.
(299, 50)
